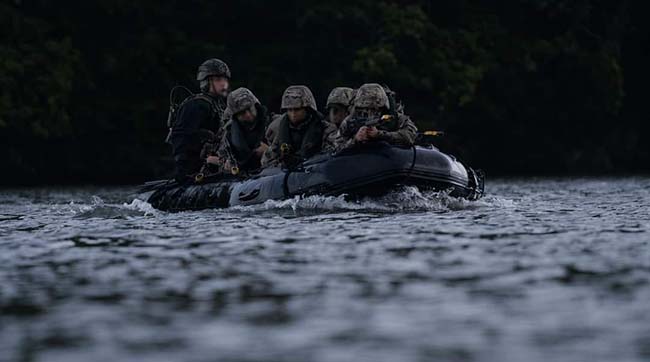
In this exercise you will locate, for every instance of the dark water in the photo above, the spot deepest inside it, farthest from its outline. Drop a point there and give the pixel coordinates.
(541, 270)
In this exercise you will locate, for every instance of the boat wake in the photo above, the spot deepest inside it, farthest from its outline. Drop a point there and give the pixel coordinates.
(403, 199)
(99, 209)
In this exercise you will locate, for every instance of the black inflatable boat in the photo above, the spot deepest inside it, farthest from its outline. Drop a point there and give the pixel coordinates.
(357, 172)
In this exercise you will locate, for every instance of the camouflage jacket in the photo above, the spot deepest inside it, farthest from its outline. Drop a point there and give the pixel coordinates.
(235, 146)
(290, 145)
(402, 133)
(272, 129)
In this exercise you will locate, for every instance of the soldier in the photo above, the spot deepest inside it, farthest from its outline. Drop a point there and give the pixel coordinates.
(300, 132)
(338, 104)
(199, 118)
(372, 119)
(243, 143)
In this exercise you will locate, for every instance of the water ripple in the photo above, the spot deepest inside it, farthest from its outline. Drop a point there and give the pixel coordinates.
(542, 269)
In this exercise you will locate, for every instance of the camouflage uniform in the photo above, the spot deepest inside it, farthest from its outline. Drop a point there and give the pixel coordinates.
(239, 140)
(272, 129)
(372, 99)
(199, 121)
(340, 95)
(292, 144)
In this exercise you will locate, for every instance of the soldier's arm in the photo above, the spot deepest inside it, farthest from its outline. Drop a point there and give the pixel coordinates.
(343, 142)
(329, 137)
(342, 139)
(272, 129)
(270, 157)
(222, 150)
(269, 135)
(405, 134)
(210, 144)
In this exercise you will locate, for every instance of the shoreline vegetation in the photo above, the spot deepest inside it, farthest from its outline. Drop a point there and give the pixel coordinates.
(523, 87)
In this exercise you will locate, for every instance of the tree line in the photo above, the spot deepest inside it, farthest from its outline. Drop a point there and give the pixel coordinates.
(528, 87)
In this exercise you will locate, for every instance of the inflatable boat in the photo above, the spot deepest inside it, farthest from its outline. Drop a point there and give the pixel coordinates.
(368, 171)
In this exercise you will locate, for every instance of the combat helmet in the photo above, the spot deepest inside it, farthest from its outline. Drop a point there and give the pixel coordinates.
(240, 100)
(211, 68)
(298, 96)
(371, 95)
(340, 95)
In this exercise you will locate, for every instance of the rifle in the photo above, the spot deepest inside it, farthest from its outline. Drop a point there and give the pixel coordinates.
(354, 124)
(212, 149)
(287, 156)
(234, 165)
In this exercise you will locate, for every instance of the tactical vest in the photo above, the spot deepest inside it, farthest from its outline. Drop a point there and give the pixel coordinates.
(242, 141)
(217, 110)
(310, 139)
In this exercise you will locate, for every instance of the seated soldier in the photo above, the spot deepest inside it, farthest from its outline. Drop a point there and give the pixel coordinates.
(338, 105)
(242, 143)
(301, 130)
(372, 119)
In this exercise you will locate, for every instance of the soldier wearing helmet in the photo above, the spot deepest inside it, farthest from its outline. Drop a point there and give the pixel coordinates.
(372, 105)
(199, 118)
(243, 141)
(338, 104)
(301, 132)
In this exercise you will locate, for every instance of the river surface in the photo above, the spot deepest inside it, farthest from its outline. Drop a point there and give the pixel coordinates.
(539, 270)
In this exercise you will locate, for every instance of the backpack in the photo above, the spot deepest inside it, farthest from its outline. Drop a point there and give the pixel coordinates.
(175, 104)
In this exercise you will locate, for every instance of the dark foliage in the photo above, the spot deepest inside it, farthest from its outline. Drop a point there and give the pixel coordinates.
(520, 86)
